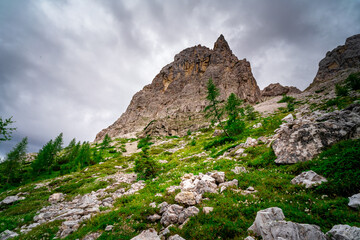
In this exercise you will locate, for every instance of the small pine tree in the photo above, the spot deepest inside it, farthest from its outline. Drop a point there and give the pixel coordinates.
(234, 124)
(5, 131)
(213, 110)
(14, 159)
(83, 159)
(106, 141)
(47, 155)
(353, 81)
(341, 91)
(250, 113)
(145, 166)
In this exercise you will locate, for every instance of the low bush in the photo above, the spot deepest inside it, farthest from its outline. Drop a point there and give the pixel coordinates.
(262, 157)
(218, 142)
(341, 91)
(341, 166)
(287, 99)
(353, 81)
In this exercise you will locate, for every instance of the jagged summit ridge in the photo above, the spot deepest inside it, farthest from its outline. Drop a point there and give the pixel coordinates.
(338, 63)
(221, 45)
(173, 103)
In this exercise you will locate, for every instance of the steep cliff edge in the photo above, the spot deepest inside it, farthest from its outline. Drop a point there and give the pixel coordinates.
(338, 64)
(173, 103)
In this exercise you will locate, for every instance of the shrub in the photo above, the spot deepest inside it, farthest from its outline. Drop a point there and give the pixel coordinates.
(250, 113)
(234, 125)
(106, 142)
(290, 107)
(265, 158)
(47, 154)
(218, 142)
(353, 81)
(146, 166)
(340, 102)
(341, 91)
(144, 142)
(341, 166)
(287, 99)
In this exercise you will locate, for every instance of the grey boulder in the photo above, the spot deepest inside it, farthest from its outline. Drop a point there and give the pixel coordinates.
(301, 140)
(309, 179)
(343, 232)
(7, 234)
(270, 225)
(149, 234)
(354, 201)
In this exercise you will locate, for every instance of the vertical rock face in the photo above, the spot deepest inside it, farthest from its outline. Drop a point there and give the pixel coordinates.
(173, 103)
(339, 63)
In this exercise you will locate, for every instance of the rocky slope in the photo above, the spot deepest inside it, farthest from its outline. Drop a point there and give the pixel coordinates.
(338, 64)
(174, 101)
(241, 189)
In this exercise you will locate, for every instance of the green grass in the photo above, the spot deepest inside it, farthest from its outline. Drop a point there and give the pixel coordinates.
(233, 212)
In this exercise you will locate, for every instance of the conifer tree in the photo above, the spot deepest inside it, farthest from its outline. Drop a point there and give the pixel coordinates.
(214, 110)
(14, 159)
(5, 130)
(47, 155)
(234, 124)
(105, 143)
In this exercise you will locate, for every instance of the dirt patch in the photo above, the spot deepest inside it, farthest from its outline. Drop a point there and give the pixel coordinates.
(269, 106)
(131, 148)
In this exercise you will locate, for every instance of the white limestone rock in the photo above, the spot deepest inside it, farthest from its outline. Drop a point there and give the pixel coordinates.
(288, 118)
(188, 198)
(207, 210)
(56, 197)
(309, 179)
(149, 234)
(354, 201)
(343, 232)
(176, 237)
(270, 225)
(11, 199)
(7, 234)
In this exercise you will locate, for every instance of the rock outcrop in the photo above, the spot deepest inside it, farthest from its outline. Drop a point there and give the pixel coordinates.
(354, 201)
(7, 234)
(270, 225)
(338, 63)
(83, 207)
(343, 232)
(276, 89)
(309, 179)
(149, 234)
(176, 214)
(173, 103)
(301, 140)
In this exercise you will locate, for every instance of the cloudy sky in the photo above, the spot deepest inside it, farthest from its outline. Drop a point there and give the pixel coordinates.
(73, 66)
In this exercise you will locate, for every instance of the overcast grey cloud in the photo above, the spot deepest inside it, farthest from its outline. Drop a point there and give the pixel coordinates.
(73, 66)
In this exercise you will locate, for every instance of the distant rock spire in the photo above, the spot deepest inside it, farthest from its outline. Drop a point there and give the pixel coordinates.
(221, 45)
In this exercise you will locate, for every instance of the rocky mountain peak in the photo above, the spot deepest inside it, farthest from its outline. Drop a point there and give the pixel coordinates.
(174, 102)
(221, 45)
(276, 89)
(338, 63)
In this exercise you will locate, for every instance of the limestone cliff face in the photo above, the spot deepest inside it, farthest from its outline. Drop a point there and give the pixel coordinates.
(174, 101)
(338, 63)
